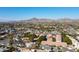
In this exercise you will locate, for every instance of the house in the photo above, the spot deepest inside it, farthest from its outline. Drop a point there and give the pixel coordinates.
(45, 47)
(18, 42)
(23, 50)
(4, 42)
(28, 44)
(3, 49)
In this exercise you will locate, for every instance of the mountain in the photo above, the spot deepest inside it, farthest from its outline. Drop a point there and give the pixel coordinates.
(37, 20)
(67, 20)
(34, 20)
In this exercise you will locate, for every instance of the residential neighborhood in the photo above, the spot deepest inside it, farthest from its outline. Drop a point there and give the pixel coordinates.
(38, 36)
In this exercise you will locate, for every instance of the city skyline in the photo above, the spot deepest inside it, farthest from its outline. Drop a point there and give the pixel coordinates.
(24, 13)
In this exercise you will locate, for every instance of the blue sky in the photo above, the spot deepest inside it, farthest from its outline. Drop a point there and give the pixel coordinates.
(23, 13)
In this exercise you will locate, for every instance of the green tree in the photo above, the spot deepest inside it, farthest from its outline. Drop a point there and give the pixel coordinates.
(30, 36)
(11, 48)
(53, 39)
(41, 38)
(66, 39)
(77, 50)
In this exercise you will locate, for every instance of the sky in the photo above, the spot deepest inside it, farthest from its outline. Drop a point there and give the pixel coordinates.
(24, 13)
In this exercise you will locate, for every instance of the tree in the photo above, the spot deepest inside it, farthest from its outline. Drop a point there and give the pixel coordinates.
(11, 48)
(66, 39)
(30, 36)
(41, 38)
(53, 39)
(77, 50)
(10, 37)
(26, 34)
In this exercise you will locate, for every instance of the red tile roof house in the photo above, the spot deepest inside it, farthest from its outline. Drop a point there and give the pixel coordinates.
(51, 43)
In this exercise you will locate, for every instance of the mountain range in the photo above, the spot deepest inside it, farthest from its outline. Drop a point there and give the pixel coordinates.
(47, 20)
